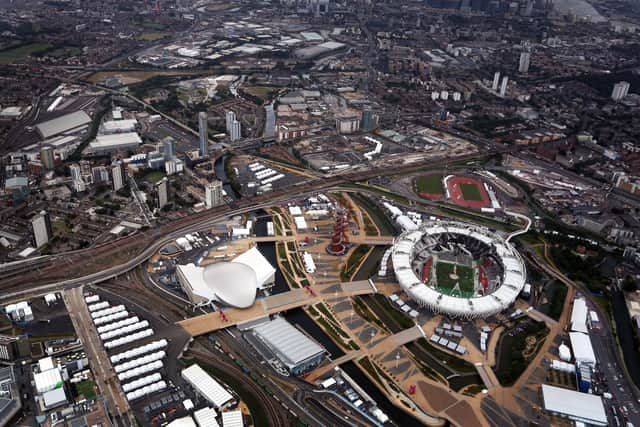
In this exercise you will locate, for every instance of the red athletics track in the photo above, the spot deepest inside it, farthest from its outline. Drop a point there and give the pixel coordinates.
(453, 185)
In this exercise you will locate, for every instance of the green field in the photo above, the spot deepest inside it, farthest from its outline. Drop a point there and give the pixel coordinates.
(11, 55)
(446, 283)
(470, 192)
(152, 36)
(430, 184)
(86, 388)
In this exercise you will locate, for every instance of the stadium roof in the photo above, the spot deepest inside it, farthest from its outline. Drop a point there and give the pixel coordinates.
(63, 124)
(234, 284)
(208, 387)
(582, 348)
(263, 268)
(584, 407)
(288, 342)
(513, 279)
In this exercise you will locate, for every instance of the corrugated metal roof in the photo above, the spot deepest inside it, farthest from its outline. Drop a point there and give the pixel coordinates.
(578, 406)
(232, 419)
(291, 345)
(63, 123)
(208, 387)
(206, 417)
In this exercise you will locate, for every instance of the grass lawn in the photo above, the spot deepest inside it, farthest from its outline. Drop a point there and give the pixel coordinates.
(153, 176)
(152, 36)
(430, 184)
(445, 275)
(87, 389)
(262, 92)
(12, 55)
(470, 192)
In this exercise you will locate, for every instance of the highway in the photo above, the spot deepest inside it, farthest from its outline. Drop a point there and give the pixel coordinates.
(13, 284)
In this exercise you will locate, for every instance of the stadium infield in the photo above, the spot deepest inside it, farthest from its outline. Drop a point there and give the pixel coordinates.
(467, 192)
(446, 273)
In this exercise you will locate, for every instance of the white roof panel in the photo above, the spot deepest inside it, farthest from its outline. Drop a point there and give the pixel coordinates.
(582, 348)
(206, 417)
(263, 268)
(63, 123)
(577, 406)
(207, 386)
(232, 419)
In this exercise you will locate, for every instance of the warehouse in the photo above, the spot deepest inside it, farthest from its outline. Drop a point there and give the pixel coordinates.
(580, 407)
(115, 142)
(63, 124)
(579, 316)
(294, 349)
(119, 126)
(206, 386)
(582, 348)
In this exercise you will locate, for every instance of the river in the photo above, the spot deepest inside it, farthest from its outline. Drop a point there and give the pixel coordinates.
(222, 176)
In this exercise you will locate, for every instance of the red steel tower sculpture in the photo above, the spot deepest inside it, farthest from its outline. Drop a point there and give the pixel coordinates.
(339, 240)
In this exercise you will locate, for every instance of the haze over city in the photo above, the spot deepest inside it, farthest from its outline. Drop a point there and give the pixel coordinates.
(319, 213)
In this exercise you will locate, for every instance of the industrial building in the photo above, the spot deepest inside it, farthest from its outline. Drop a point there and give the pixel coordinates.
(579, 407)
(115, 142)
(293, 348)
(232, 283)
(63, 124)
(205, 385)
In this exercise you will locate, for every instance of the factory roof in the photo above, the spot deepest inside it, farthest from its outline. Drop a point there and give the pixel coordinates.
(115, 141)
(287, 341)
(63, 124)
(582, 407)
(208, 387)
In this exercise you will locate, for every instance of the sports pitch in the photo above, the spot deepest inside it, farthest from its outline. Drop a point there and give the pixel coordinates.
(446, 279)
(470, 192)
(430, 184)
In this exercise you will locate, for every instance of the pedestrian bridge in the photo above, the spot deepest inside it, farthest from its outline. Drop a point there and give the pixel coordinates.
(300, 297)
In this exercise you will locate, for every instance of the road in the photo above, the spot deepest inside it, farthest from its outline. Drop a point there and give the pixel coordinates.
(104, 376)
(619, 383)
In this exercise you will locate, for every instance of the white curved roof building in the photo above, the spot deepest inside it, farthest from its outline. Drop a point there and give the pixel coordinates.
(414, 253)
(232, 283)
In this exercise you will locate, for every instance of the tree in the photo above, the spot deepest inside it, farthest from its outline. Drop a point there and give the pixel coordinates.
(629, 285)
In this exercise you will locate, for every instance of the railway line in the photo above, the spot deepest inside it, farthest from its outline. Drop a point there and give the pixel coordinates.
(95, 265)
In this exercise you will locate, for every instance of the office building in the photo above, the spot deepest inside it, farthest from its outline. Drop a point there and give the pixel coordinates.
(369, 121)
(525, 60)
(47, 158)
(270, 122)
(213, 194)
(117, 175)
(42, 232)
(496, 80)
(162, 193)
(14, 348)
(229, 118)
(235, 135)
(76, 172)
(347, 125)
(503, 86)
(620, 90)
(203, 133)
(169, 148)
(100, 174)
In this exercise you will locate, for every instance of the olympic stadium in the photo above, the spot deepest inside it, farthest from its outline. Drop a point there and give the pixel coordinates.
(458, 269)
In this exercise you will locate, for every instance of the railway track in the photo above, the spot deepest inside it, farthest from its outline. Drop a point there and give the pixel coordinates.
(274, 414)
(81, 267)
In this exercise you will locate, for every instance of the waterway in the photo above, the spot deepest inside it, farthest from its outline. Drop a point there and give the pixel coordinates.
(300, 318)
(625, 335)
(222, 176)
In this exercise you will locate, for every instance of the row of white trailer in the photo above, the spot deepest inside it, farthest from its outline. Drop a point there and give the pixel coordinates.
(138, 351)
(146, 390)
(128, 339)
(144, 360)
(124, 330)
(140, 363)
(117, 325)
(272, 179)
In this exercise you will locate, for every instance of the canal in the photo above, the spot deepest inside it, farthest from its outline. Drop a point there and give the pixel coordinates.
(625, 335)
(300, 318)
(221, 174)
